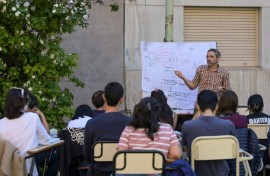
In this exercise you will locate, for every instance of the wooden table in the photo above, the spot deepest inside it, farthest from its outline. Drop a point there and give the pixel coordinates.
(41, 148)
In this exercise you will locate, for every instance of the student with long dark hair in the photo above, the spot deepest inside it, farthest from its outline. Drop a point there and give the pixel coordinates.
(166, 114)
(145, 132)
(23, 129)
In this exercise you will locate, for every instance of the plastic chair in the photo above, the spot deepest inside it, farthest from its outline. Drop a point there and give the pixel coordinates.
(139, 162)
(219, 148)
(102, 151)
(12, 163)
(47, 156)
(261, 131)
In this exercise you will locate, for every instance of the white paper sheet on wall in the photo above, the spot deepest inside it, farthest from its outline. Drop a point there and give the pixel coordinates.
(161, 59)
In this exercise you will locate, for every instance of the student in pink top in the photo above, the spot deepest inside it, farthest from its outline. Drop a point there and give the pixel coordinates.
(145, 132)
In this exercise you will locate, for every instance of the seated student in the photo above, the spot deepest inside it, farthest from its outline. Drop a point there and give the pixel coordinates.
(108, 126)
(227, 106)
(82, 114)
(98, 102)
(256, 116)
(207, 125)
(255, 107)
(145, 132)
(71, 153)
(74, 146)
(166, 114)
(33, 107)
(40, 158)
(23, 129)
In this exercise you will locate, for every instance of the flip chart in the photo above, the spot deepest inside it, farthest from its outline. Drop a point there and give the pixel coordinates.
(161, 59)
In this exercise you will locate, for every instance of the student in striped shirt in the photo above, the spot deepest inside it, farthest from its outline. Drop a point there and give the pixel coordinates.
(145, 132)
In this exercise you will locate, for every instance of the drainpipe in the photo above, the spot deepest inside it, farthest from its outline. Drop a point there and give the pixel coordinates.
(169, 21)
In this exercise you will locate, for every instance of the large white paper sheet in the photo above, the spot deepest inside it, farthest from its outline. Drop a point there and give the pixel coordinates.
(161, 59)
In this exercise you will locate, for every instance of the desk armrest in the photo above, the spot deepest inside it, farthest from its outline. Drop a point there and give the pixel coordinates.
(244, 156)
(42, 148)
(262, 147)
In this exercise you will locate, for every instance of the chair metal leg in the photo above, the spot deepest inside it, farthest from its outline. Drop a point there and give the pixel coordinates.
(47, 159)
(245, 168)
(32, 165)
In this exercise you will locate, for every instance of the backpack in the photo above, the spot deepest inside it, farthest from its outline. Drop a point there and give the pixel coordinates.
(179, 168)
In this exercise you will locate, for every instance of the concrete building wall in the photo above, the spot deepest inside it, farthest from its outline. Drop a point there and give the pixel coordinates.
(145, 21)
(100, 47)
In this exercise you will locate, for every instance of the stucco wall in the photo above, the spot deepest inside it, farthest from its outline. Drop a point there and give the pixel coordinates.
(145, 21)
(100, 47)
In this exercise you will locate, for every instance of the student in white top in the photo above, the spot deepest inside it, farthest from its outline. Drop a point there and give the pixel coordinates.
(41, 157)
(82, 114)
(21, 128)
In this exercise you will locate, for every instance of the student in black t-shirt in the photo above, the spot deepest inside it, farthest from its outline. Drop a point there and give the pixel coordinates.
(255, 107)
(256, 116)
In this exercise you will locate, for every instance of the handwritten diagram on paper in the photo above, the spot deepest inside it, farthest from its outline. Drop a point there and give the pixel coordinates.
(160, 60)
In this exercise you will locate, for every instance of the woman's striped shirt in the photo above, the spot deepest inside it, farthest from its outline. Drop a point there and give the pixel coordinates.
(133, 139)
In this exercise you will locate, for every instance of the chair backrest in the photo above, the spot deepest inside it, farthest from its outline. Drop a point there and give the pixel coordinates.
(261, 130)
(215, 148)
(11, 162)
(139, 162)
(102, 151)
(243, 110)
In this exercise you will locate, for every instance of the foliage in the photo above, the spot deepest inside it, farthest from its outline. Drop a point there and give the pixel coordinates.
(30, 51)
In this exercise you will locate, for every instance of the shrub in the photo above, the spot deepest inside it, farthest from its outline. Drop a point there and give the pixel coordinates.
(31, 55)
